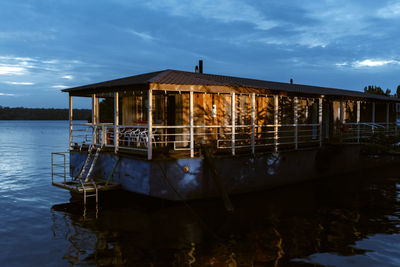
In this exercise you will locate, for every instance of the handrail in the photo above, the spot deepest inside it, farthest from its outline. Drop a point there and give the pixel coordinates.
(63, 165)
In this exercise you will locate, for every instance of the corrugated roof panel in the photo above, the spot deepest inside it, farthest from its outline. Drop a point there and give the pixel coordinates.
(191, 78)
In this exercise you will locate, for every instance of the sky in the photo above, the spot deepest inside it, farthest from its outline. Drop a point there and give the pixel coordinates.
(48, 45)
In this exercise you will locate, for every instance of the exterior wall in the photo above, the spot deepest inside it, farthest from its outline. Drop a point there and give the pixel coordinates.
(168, 179)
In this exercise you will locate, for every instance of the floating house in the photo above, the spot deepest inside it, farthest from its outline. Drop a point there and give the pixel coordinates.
(186, 135)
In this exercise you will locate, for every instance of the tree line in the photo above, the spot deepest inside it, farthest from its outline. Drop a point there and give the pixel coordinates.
(20, 113)
(377, 90)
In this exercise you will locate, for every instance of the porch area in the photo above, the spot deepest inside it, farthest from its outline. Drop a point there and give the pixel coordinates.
(160, 122)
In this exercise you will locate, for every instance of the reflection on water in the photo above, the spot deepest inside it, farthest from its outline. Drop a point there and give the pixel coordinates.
(344, 221)
(336, 222)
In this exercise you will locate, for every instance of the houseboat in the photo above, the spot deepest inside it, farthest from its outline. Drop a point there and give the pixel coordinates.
(181, 135)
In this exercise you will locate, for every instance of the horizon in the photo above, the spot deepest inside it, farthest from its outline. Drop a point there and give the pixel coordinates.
(48, 46)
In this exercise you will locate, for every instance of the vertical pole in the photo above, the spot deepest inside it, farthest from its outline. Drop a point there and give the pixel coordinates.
(150, 126)
(373, 117)
(341, 113)
(233, 106)
(320, 120)
(296, 122)
(341, 120)
(70, 121)
(116, 122)
(94, 119)
(387, 118)
(276, 121)
(191, 124)
(358, 121)
(253, 121)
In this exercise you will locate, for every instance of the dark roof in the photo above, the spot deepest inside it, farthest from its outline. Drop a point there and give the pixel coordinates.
(192, 78)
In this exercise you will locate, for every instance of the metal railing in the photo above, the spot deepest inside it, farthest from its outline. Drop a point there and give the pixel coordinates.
(357, 132)
(179, 138)
(187, 138)
(59, 165)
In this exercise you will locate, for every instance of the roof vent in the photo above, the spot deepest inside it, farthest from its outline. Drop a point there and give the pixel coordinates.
(291, 81)
(200, 66)
(196, 69)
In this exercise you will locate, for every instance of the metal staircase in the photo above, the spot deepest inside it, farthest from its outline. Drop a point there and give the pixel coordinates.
(83, 183)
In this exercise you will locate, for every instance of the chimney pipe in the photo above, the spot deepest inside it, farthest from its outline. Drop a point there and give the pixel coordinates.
(200, 66)
(291, 81)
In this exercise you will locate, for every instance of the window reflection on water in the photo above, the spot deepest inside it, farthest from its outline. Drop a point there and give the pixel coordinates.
(272, 228)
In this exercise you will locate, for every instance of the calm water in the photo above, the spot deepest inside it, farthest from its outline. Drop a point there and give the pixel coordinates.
(346, 221)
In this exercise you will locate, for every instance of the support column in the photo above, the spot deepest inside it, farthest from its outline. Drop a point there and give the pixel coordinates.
(233, 106)
(387, 118)
(358, 121)
(253, 127)
(276, 121)
(70, 121)
(373, 116)
(296, 121)
(191, 124)
(320, 120)
(94, 119)
(116, 122)
(150, 125)
(341, 113)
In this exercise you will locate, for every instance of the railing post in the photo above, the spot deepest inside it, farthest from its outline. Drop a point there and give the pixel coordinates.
(276, 121)
(191, 124)
(341, 120)
(296, 122)
(150, 125)
(94, 119)
(116, 122)
(358, 121)
(373, 117)
(233, 106)
(387, 118)
(320, 120)
(253, 120)
(70, 121)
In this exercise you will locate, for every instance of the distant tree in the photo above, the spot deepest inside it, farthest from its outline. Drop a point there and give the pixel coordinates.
(398, 91)
(107, 110)
(376, 90)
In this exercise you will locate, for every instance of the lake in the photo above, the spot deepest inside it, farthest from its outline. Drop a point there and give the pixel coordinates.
(341, 221)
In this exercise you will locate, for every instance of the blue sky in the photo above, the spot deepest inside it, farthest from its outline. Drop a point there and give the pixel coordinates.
(47, 45)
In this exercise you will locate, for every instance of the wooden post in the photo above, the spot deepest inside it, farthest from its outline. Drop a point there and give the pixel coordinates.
(373, 117)
(253, 120)
(320, 120)
(358, 121)
(150, 125)
(296, 121)
(191, 124)
(387, 118)
(233, 106)
(70, 121)
(276, 121)
(341, 113)
(94, 119)
(116, 122)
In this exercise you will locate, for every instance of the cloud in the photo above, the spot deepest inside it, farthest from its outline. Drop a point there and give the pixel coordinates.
(11, 70)
(5, 94)
(368, 63)
(226, 11)
(392, 10)
(19, 83)
(68, 77)
(59, 86)
(142, 35)
(373, 63)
